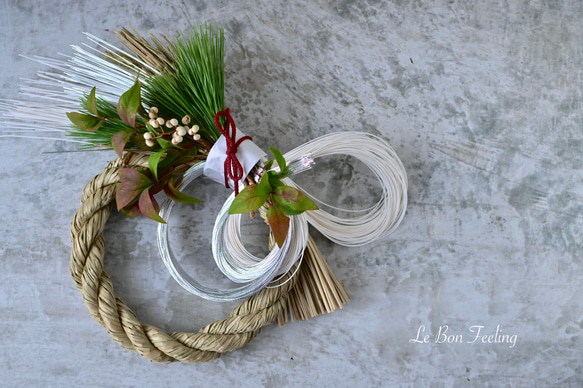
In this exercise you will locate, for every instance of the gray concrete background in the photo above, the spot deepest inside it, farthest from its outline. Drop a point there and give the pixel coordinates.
(482, 102)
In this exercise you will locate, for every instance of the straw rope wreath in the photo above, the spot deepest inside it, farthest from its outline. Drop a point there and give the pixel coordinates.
(300, 298)
(182, 83)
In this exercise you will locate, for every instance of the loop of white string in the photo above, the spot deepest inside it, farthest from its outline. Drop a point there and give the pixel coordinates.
(263, 274)
(382, 218)
(237, 263)
(242, 267)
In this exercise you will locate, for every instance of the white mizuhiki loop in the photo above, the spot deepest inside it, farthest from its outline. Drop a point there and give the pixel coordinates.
(238, 264)
(227, 246)
(242, 267)
(376, 154)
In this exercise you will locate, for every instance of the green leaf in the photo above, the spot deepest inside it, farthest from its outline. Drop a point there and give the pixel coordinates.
(92, 103)
(172, 156)
(172, 192)
(119, 141)
(263, 188)
(153, 161)
(288, 211)
(131, 184)
(280, 160)
(149, 207)
(268, 164)
(165, 144)
(274, 179)
(129, 104)
(279, 224)
(248, 200)
(292, 201)
(85, 122)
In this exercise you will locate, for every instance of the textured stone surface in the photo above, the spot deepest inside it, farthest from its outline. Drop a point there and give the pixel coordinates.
(482, 102)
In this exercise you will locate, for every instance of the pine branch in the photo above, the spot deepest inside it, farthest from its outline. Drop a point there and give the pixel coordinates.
(195, 84)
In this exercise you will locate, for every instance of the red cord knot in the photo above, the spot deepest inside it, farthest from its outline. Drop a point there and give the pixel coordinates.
(233, 168)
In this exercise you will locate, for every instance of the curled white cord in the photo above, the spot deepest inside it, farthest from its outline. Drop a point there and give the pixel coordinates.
(269, 270)
(242, 267)
(237, 263)
(376, 154)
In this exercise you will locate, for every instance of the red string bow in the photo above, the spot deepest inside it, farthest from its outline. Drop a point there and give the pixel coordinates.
(233, 168)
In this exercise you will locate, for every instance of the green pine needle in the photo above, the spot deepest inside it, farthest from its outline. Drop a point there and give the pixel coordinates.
(194, 85)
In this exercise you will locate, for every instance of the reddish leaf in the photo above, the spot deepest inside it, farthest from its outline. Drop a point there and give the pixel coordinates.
(131, 184)
(248, 200)
(134, 179)
(279, 224)
(149, 207)
(119, 141)
(124, 196)
(132, 210)
(158, 186)
(292, 201)
(129, 104)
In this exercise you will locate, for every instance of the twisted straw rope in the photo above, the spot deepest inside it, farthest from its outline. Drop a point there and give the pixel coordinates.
(88, 272)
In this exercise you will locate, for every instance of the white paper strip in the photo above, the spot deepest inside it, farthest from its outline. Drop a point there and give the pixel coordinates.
(248, 154)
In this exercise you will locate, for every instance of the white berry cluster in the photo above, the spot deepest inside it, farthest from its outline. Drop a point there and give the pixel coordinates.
(179, 130)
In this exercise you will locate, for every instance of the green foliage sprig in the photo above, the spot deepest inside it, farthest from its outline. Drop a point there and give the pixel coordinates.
(191, 89)
(281, 200)
(195, 84)
(137, 187)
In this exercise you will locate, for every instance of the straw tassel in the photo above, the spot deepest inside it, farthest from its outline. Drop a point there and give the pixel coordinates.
(317, 291)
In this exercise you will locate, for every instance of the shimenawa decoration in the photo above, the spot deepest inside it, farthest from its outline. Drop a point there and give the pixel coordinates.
(161, 107)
